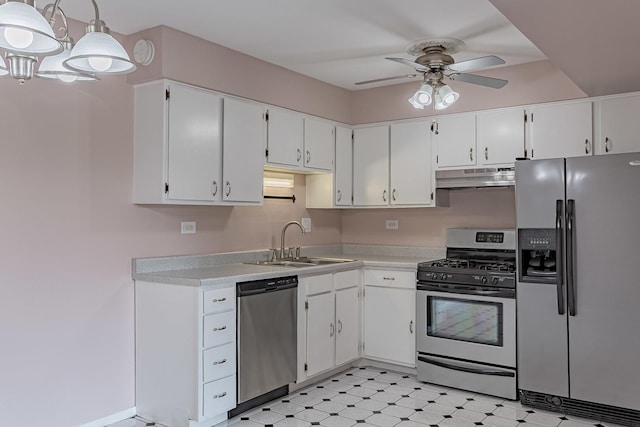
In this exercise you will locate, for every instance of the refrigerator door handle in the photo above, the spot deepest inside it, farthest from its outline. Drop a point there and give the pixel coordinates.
(559, 252)
(571, 284)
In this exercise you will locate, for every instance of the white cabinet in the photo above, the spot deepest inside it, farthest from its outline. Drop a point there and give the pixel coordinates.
(617, 125)
(243, 142)
(389, 316)
(182, 156)
(455, 141)
(371, 166)
(500, 136)
(410, 170)
(284, 137)
(560, 130)
(319, 141)
(185, 353)
(344, 166)
(329, 329)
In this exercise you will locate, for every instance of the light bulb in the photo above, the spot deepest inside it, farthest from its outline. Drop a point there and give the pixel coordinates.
(67, 78)
(424, 98)
(100, 63)
(18, 38)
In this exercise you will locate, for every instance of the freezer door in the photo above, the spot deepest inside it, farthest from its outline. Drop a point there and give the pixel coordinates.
(539, 183)
(604, 341)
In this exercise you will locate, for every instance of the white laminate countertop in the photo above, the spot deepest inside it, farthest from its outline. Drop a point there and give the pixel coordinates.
(223, 269)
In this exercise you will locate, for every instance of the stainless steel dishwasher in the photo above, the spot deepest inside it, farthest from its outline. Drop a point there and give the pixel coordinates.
(267, 340)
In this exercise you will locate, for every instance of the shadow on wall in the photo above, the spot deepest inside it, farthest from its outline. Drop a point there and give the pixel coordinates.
(476, 208)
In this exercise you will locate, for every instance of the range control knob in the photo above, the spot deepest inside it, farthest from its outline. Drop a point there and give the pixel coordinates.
(483, 280)
(443, 276)
(494, 280)
(434, 276)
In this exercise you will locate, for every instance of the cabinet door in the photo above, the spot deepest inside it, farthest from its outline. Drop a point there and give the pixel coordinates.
(563, 130)
(455, 138)
(500, 137)
(619, 130)
(389, 322)
(410, 164)
(319, 144)
(284, 137)
(194, 155)
(344, 166)
(347, 325)
(243, 143)
(371, 166)
(321, 330)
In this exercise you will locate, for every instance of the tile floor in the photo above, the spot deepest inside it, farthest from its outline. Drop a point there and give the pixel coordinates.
(364, 397)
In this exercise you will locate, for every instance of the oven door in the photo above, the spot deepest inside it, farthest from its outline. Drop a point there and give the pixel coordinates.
(467, 326)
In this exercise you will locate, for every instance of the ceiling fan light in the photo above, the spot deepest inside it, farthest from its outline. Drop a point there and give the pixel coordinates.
(24, 31)
(99, 52)
(415, 103)
(445, 97)
(3, 67)
(422, 97)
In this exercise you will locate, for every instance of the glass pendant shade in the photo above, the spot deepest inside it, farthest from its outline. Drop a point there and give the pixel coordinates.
(99, 52)
(445, 97)
(51, 68)
(3, 67)
(422, 97)
(24, 31)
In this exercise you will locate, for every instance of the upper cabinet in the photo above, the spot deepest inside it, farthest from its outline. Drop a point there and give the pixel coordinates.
(179, 145)
(410, 157)
(371, 166)
(319, 137)
(454, 137)
(344, 166)
(560, 130)
(617, 127)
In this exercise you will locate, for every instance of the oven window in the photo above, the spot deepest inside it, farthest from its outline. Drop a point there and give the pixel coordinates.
(465, 320)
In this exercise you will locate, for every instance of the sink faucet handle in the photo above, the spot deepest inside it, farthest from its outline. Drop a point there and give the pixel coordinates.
(290, 253)
(274, 254)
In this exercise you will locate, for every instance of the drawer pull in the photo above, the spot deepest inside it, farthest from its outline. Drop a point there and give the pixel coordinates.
(218, 300)
(220, 362)
(218, 396)
(221, 328)
(388, 278)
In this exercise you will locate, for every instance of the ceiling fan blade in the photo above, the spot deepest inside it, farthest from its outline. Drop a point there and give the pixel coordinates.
(476, 63)
(409, 63)
(404, 76)
(479, 80)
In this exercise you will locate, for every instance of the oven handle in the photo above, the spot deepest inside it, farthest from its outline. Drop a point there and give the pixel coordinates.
(498, 293)
(491, 372)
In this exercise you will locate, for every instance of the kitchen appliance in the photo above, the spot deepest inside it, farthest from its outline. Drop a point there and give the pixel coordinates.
(578, 288)
(466, 314)
(475, 178)
(267, 340)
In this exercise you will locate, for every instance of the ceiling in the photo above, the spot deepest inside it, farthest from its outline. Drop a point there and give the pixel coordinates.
(345, 41)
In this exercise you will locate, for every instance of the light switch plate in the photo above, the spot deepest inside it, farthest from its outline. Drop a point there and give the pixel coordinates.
(306, 224)
(392, 224)
(188, 227)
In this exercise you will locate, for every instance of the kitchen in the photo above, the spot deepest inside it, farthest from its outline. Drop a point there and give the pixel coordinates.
(70, 229)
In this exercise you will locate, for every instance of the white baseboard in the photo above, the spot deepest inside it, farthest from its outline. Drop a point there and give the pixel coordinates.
(111, 419)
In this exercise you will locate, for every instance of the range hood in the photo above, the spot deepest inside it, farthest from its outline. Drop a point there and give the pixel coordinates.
(475, 178)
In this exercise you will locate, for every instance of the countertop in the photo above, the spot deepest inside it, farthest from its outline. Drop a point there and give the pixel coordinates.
(225, 268)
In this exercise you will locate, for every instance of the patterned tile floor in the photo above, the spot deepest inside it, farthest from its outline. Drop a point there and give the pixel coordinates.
(365, 397)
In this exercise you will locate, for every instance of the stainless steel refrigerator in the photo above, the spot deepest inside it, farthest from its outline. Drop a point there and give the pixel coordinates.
(578, 290)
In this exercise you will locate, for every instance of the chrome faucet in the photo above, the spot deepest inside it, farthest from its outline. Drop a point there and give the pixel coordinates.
(284, 230)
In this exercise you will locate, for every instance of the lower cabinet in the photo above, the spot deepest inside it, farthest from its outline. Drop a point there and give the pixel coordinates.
(185, 353)
(389, 316)
(329, 322)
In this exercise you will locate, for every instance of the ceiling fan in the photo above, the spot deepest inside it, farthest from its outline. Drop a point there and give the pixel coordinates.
(436, 63)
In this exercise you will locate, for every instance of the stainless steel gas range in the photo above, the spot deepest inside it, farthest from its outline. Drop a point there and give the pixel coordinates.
(466, 314)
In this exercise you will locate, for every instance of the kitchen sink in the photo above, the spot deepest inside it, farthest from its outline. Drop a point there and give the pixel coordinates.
(302, 262)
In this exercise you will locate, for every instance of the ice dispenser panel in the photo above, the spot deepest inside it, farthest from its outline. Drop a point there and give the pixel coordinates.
(537, 255)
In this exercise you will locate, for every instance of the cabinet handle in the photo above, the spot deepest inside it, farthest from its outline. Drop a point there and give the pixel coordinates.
(220, 362)
(221, 328)
(586, 146)
(339, 195)
(308, 157)
(606, 144)
(384, 195)
(219, 300)
(486, 153)
(388, 278)
(299, 156)
(411, 326)
(218, 396)
(393, 194)
(339, 326)
(471, 154)
(214, 188)
(228, 188)
(332, 329)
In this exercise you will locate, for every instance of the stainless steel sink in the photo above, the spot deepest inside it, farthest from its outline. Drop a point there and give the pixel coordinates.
(302, 262)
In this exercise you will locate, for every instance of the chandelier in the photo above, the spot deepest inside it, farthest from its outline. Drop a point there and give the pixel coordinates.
(26, 34)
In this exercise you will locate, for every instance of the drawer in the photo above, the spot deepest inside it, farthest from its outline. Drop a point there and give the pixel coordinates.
(346, 279)
(390, 278)
(218, 300)
(219, 362)
(219, 329)
(318, 284)
(218, 396)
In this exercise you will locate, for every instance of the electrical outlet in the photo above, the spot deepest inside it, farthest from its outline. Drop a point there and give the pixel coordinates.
(306, 224)
(392, 224)
(188, 227)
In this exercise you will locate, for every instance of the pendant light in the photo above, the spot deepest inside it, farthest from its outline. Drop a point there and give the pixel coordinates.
(24, 31)
(52, 67)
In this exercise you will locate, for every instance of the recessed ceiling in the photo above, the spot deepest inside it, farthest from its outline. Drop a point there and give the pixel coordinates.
(337, 41)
